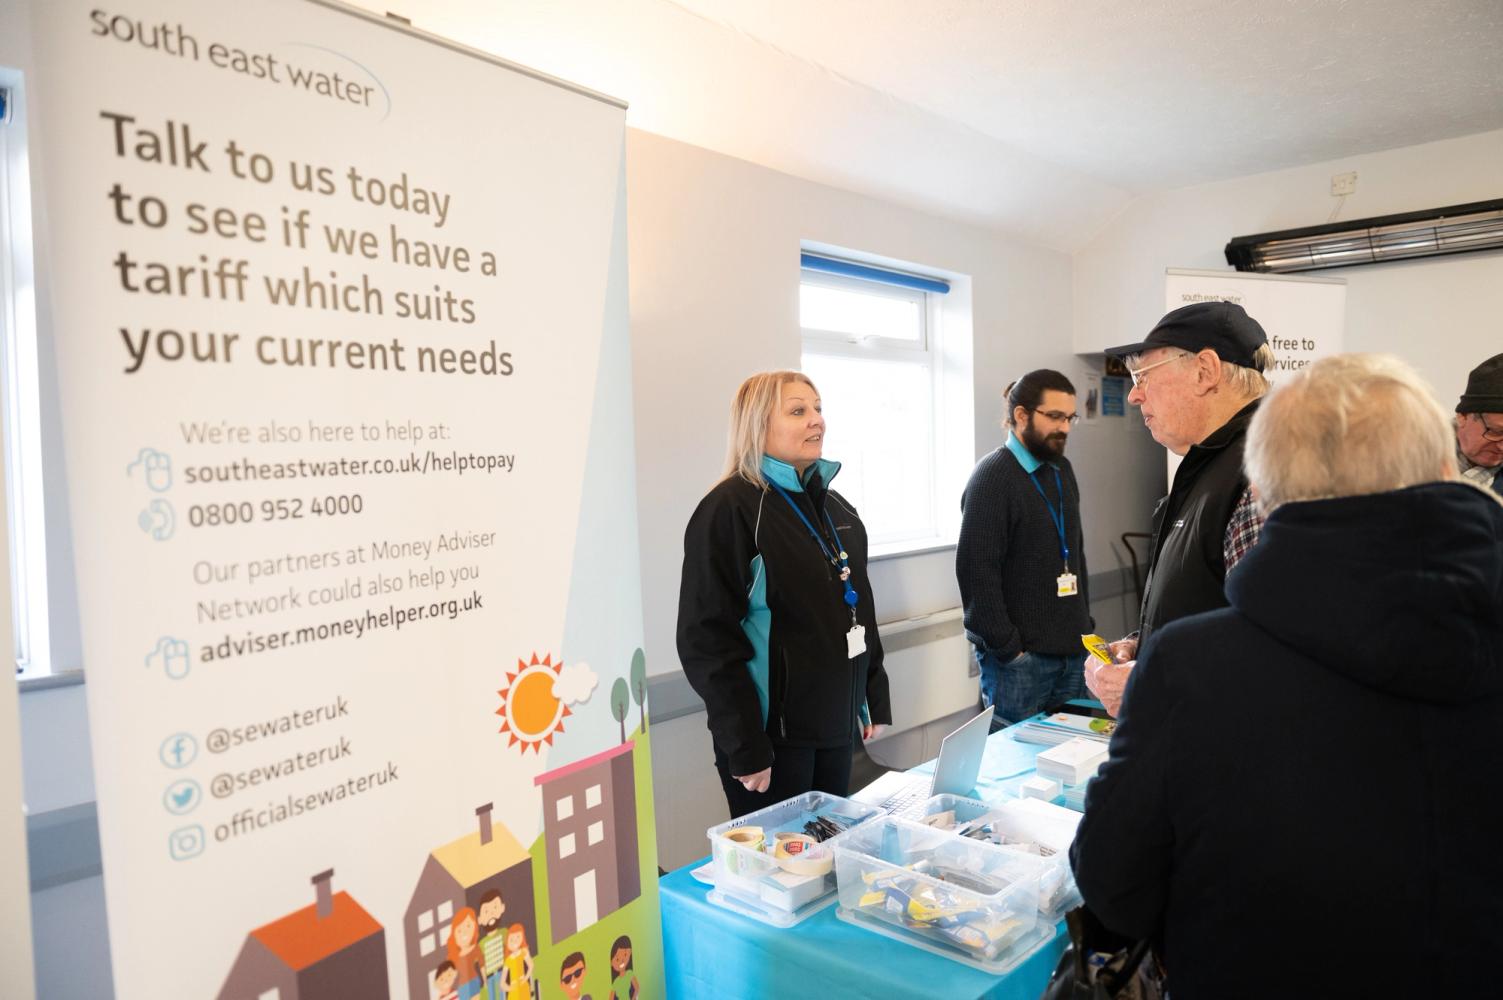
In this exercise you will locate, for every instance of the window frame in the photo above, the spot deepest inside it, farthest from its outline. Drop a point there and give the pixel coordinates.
(20, 385)
(838, 341)
(928, 349)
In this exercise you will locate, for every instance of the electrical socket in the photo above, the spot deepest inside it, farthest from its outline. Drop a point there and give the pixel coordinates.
(1343, 184)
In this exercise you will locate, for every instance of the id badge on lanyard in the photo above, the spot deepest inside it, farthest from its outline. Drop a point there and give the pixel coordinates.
(1065, 585)
(855, 637)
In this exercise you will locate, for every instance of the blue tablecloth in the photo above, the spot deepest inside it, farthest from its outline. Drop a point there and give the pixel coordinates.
(712, 952)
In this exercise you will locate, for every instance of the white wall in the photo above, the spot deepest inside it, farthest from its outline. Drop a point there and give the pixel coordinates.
(714, 245)
(1441, 314)
(714, 297)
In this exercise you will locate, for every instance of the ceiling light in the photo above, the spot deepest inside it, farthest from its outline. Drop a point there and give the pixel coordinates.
(1431, 233)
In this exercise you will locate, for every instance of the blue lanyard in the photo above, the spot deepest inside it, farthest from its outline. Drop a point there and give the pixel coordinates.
(1057, 518)
(851, 597)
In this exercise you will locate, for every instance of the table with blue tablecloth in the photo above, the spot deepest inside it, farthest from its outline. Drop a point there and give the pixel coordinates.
(712, 952)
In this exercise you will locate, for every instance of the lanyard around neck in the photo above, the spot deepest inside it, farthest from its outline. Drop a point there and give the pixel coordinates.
(835, 558)
(1058, 517)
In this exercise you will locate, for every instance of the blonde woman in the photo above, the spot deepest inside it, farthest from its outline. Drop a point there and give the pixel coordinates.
(777, 631)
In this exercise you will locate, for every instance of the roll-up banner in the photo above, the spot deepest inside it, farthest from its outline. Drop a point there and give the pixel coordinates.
(341, 320)
(1305, 318)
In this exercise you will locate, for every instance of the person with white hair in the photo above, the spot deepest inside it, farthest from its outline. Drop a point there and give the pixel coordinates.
(1302, 797)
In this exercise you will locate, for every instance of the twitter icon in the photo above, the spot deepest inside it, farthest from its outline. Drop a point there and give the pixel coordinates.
(183, 797)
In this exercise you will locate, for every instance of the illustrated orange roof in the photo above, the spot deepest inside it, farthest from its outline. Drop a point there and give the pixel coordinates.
(470, 861)
(301, 939)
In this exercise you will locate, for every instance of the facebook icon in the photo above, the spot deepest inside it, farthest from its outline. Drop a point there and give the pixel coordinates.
(178, 750)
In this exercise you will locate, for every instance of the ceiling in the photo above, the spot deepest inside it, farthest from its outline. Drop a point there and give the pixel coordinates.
(1041, 118)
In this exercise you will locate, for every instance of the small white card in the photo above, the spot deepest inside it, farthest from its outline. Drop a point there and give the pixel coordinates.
(1066, 584)
(855, 641)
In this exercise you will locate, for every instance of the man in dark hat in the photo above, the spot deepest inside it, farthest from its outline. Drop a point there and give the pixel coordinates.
(1479, 425)
(1197, 377)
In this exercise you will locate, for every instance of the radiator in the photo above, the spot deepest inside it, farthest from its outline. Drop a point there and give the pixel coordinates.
(932, 680)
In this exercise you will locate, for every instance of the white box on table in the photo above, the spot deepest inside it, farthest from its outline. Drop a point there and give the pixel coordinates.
(1072, 762)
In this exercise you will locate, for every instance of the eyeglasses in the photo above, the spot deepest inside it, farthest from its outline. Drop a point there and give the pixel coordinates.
(569, 977)
(1488, 431)
(1059, 418)
(1139, 375)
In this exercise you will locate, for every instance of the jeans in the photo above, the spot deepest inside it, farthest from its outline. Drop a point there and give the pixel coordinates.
(1023, 687)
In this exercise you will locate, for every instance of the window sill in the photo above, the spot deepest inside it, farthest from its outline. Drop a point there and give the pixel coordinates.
(41, 682)
(915, 547)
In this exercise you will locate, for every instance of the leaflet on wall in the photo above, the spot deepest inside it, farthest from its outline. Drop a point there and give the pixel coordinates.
(341, 323)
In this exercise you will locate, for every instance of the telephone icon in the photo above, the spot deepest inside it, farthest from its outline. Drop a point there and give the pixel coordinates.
(158, 520)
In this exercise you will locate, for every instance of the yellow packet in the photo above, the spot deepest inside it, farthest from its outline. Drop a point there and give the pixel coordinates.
(1098, 648)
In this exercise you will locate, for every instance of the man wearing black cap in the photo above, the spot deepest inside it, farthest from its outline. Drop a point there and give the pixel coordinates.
(1197, 377)
(1479, 425)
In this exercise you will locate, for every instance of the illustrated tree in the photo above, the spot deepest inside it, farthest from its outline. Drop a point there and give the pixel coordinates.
(620, 702)
(639, 685)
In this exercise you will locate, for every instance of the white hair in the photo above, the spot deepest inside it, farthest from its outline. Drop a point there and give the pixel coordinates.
(1346, 426)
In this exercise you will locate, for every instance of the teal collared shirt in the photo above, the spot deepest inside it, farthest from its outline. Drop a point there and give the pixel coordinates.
(787, 476)
(1025, 457)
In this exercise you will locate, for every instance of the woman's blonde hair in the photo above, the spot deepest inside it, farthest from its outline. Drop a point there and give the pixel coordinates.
(750, 409)
(1346, 426)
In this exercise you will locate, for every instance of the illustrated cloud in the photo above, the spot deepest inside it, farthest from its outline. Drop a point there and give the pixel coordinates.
(575, 683)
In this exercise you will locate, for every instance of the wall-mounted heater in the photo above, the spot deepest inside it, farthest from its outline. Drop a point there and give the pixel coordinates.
(1431, 233)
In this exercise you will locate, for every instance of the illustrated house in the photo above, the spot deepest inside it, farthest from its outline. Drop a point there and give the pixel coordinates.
(331, 950)
(590, 829)
(455, 876)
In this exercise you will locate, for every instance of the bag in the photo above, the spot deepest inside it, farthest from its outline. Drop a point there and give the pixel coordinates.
(1101, 965)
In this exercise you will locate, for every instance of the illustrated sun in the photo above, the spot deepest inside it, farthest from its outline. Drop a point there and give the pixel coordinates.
(530, 712)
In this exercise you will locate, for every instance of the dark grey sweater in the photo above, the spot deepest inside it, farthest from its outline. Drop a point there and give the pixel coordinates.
(1008, 560)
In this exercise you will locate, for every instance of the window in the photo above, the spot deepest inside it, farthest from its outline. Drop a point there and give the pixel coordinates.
(18, 364)
(566, 845)
(592, 797)
(425, 920)
(878, 344)
(566, 807)
(426, 945)
(445, 910)
(272, 994)
(596, 833)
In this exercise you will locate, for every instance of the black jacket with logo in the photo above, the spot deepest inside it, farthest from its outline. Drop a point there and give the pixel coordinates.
(762, 621)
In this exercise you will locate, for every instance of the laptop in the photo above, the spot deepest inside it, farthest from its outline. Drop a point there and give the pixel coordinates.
(954, 773)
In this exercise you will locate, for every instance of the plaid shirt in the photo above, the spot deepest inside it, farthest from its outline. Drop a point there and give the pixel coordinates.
(1242, 530)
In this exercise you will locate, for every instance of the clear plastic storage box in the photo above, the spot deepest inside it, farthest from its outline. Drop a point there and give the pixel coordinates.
(992, 824)
(973, 902)
(750, 877)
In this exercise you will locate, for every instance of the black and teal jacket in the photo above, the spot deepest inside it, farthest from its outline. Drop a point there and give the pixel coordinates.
(762, 621)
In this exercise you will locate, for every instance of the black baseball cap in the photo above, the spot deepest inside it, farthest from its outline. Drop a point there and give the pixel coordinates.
(1223, 327)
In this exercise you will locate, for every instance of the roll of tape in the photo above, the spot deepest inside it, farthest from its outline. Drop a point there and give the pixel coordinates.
(801, 854)
(747, 836)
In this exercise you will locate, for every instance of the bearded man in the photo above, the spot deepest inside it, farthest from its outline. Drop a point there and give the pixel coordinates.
(1020, 560)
